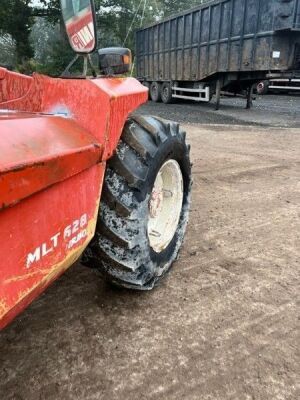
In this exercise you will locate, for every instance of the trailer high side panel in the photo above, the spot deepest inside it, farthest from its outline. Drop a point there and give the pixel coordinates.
(248, 37)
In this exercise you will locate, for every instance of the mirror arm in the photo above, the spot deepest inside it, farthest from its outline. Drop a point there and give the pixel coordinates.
(66, 72)
(87, 61)
(85, 66)
(92, 66)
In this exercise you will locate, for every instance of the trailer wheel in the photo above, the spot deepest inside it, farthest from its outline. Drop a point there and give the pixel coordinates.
(144, 206)
(262, 87)
(155, 92)
(166, 93)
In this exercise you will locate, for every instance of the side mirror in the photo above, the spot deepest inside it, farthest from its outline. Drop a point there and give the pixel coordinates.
(80, 23)
(114, 60)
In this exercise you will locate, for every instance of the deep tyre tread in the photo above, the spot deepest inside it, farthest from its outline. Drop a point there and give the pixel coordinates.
(120, 249)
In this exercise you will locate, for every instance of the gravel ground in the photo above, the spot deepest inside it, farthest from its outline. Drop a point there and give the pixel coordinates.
(224, 324)
(271, 110)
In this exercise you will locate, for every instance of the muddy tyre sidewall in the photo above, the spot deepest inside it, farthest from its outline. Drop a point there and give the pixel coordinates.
(173, 150)
(121, 248)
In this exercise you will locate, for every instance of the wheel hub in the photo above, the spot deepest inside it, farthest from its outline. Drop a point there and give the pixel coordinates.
(155, 203)
(165, 205)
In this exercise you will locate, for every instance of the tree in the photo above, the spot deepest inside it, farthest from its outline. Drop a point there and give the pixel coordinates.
(8, 51)
(175, 6)
(16, 20)
(50, 10)
(52, 52)
(117, 21)
(116, 18)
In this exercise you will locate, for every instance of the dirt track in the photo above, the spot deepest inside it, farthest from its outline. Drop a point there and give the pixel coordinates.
(223, 325)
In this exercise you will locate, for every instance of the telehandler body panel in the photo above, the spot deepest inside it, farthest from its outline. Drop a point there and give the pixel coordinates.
(55, 138)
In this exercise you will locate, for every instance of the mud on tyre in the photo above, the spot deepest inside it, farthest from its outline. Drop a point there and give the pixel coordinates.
(152, 158)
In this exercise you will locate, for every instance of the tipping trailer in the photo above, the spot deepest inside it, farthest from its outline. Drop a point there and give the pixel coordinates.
(224, 45)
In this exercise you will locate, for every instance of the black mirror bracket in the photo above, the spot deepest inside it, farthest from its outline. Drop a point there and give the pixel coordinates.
(87, 61)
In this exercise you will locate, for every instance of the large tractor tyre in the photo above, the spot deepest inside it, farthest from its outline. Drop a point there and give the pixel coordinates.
(144, 206)
(155, 92)
(166, 93)
(262, 87)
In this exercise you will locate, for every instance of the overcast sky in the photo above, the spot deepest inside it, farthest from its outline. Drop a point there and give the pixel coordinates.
(36, 3)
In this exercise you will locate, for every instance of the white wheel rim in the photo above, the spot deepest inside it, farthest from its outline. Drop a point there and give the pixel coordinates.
(165, 205)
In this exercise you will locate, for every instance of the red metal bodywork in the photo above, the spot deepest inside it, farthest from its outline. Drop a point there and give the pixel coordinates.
(53, 152)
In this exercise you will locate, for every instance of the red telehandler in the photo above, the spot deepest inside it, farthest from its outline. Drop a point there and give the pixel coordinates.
(82, 176)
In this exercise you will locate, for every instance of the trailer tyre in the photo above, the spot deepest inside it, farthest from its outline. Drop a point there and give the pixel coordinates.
(166, 93)
(144, 206)
(155, 92)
